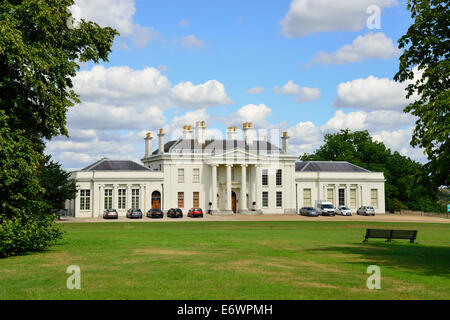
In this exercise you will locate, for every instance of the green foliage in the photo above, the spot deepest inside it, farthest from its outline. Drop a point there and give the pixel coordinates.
(57, 184)
(407, 184)
(39, 56)
(426, 47)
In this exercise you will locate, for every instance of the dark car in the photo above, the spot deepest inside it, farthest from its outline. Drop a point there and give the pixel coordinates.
(155, 213)
(110, 214)
(175, 213)
(309, 211)
(195, 212)
(134, 214)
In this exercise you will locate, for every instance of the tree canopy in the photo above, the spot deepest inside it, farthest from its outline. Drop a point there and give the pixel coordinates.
(425, 63)
(39, 56)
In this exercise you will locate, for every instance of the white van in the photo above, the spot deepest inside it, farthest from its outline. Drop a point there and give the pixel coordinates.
(325, 208)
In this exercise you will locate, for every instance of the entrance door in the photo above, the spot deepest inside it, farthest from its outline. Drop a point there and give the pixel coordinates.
(156, 200)
(233, 201)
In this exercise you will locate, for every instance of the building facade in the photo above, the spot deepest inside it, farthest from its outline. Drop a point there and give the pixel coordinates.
(222, 176)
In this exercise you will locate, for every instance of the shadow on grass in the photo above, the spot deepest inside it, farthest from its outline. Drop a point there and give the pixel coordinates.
(424, 260)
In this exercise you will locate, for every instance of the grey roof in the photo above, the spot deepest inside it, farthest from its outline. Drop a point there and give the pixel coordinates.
(327, 166)
(215, 146)
(115, 165)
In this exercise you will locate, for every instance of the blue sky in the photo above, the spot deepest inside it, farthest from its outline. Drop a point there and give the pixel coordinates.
(320, 67)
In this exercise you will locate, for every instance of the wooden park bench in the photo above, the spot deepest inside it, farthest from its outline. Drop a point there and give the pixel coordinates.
(391, 234)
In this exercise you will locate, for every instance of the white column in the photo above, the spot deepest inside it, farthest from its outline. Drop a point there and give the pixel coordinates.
(347, 195)
(102, 200)
(244, 187)
(228, 189)
(258, 182)
(115, 197)
(214, 188)
(141, 198)
(128, 196)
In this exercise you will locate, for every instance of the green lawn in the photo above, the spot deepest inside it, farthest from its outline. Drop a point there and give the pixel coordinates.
(233, 260)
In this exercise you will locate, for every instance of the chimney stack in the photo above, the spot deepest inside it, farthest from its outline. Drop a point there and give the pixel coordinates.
(200, 132)
(247, 127)
(285, 142)
(232, 133)
(161, 141)
(148, 145)
(187, 132)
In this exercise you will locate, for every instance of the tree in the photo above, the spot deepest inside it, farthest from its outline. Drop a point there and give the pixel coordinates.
(406, 181)
(39, 56)
(57, 184)
(425, 63)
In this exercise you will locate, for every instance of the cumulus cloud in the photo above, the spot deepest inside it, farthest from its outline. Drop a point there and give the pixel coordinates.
(304, 94)
(257, 114)
(117, 14)
(399, 140)
(371, 93)
(123, 86)
(255, 90)
(290, 88)
(310, 16)
(308, 95)
(372, 121)
(372, 45)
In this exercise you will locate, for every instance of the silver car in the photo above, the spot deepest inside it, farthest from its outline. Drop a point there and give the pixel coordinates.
(366, 211)
(344, 211)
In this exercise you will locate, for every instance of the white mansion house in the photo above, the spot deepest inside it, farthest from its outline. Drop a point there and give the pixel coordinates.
(223, 176)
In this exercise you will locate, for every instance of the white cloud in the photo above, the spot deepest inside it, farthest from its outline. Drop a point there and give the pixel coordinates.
(372, 45)
(210, 93)
(399, 140)
(117, 14)
(257, 114)
(191, 42)
(372, 121)
(305, 94)
(256, 90)
(290, 88)
(371, 93)
(124, 87)
(311, 16)
(308, 95)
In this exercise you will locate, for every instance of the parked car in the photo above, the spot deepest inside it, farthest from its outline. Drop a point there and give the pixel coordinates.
(195, 212)
(134, 214)
(175, 213)
(344, 211)
(155, 213)
(309, 211)
(366, 211)
(325, 208)
(110, 214)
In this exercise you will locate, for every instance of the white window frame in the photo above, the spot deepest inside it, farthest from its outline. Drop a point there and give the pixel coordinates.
(307, 197)
(108, 199)
(196, 175)
(374, 200)
(85, 200)
(265, 202)
(122, 199)
(279, 199)
(135, 195)
(180, 175)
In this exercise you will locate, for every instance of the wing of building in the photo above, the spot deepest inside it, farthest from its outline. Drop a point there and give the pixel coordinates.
(222, 176)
